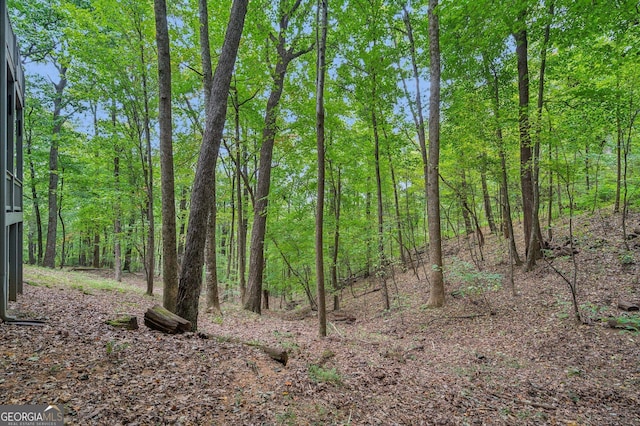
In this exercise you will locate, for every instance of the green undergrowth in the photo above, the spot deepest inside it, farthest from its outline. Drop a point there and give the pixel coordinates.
(50, 278)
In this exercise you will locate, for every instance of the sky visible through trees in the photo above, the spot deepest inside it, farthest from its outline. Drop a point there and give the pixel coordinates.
(516, 146)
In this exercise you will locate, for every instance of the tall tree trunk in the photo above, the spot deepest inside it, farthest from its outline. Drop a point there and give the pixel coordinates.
(336, 191)
(321, 40)
(63, 252)
(147, 161)
(169, 243)
(491, 77)
(418, 116)
(191, 272)
(96, 250)
(396, 203)
(534, 250)
(530, 224)
(619, 142)
(253, 293)
(58, 120)
(34, 196)
(367, 212)
(379, 208)
(117, 224)
(241, 195)
(436, 295)
(211, 275)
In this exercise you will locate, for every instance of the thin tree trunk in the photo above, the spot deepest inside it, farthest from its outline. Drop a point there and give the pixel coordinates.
(380, 214)
(58, 120)
(550, 192)
(492, 82)
(534, 251)
(436, 295)
(117, 225)
(211, 275)
(418, 116)
(34, 195)
(169, 243)
(148, 172)
(336, 190)
(96, 250)
(464, 204)
(321, 40)
(182, 212)
(191, 271)
(63, 253)
(486, 199)
(619, 141)
(241, 195)
(396, 202)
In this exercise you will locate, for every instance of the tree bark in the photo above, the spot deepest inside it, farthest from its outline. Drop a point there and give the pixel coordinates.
(492, 83)
(485, 197)
(379, 208)
(436, 295)
(253, 293)
(147, 164)
(211, 275)
(531, 225)
(242, 193)
(336, 190)
(534, 250)
(396, 203)
(58, 120)
(320, 142)
(169, 243)
(34, 198)
(191, 273)
(161, 319)
(117, 224)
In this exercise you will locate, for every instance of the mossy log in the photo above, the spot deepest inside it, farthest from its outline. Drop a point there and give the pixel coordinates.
(130, 322)
(161, 319)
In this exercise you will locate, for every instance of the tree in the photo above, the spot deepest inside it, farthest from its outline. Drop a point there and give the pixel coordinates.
(532, 234)
(191, 272)
(46, 45)
(211, 275)
(169, 250)
(285, 55)
(436, 295)
(321, 71)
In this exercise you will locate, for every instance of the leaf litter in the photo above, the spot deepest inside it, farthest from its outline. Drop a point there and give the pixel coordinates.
(521, 360)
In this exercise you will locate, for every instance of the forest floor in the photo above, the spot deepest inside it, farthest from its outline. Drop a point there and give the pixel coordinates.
(485, 358)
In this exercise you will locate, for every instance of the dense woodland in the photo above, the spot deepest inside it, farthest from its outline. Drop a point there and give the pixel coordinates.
(343, 119)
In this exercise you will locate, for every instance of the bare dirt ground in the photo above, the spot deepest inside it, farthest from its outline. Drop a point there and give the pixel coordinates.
(494, 359)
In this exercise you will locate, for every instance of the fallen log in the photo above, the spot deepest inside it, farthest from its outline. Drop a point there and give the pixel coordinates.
(128, 322)
(276, 354)
(341, 316)
(625, 305)
(161, 319)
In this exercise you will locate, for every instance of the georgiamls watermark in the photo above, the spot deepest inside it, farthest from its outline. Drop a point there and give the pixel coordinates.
(31, 415)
